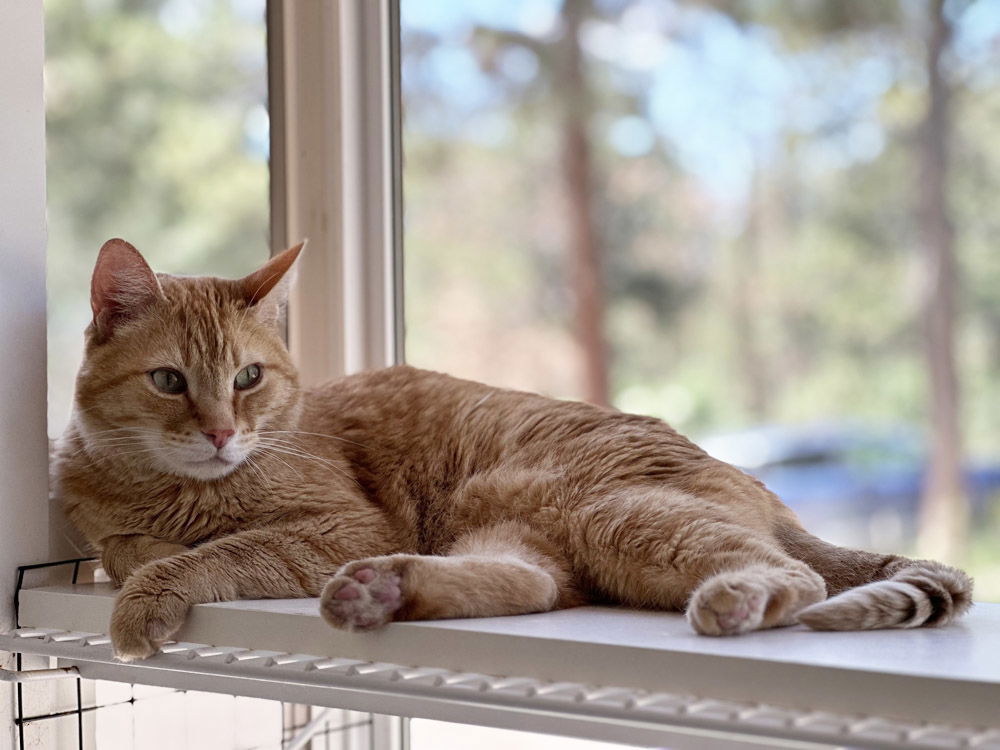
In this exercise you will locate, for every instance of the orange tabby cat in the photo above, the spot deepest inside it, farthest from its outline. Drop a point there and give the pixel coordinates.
(202, 472)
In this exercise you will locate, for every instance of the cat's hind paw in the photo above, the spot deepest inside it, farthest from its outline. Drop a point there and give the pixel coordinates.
(727, 604)
(363, 595)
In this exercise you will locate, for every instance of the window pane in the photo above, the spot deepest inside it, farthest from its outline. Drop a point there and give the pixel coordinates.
(746, 220)
(157, 132)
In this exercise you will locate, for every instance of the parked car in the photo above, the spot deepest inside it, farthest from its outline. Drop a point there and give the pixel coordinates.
(851, 482)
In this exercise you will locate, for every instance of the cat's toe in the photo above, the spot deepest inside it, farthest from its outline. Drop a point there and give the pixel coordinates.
(362, 597)
(723, 606)
(141, 623)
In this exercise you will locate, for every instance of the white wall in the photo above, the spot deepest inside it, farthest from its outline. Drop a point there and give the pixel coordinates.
(23, 444)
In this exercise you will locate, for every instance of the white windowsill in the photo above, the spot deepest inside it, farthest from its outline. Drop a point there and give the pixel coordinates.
(949, 675)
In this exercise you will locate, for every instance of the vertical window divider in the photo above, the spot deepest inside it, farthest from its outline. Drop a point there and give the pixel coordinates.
(336, 179)
(335, 165)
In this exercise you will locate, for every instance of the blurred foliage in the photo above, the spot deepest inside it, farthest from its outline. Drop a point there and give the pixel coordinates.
(757, 181)
(156, 117)
(811, 236)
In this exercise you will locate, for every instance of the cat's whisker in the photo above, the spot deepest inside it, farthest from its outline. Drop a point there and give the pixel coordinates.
(296, 449)
(69, 540)
(292, 448)
(247, 307)
(267, 452)
(142, 450)
(252, 465)
(85, 410)
(122, 429)
(136, 436)
(316, 434)
(310, 457)
(104, 444)
(120, 439)
(290, 442)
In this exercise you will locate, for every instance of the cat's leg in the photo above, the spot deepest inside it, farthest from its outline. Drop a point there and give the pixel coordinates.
(262, 563)
(123, 554)
(669, 550)
(504, 569)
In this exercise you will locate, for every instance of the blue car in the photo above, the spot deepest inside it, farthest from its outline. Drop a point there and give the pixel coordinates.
(850, 482)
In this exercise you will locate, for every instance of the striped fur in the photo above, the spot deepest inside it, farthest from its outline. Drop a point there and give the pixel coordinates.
(922, 594)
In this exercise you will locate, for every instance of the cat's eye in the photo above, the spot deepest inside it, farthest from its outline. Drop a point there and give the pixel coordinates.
(168, 381)
(248, 377)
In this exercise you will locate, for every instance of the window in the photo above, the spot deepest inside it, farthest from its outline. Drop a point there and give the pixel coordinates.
(724, 216)
(571, 232)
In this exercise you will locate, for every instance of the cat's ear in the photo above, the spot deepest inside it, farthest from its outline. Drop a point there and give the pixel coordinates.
(267, 288)
(123, 285)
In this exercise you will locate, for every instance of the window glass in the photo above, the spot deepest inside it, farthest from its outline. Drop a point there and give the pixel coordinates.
(768, 224)
(157, 132)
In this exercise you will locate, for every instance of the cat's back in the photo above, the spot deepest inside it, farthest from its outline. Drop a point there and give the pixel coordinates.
(405, 417)
(416, 436)
(409, 407)
(405, 410)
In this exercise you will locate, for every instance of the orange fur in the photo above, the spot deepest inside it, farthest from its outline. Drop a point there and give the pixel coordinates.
(405, 494)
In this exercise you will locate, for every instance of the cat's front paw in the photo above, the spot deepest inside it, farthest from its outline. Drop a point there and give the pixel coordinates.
(365, 594)
(727, 604)
(146, 614)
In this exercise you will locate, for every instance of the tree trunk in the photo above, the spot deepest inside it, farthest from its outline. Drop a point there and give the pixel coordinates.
(584, 242)
(746, 306)
(944, 509)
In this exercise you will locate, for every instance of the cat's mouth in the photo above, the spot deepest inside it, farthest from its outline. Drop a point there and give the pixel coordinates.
(215, 467)
(216, 461)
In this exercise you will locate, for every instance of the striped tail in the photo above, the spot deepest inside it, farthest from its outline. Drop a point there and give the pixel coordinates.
(869, 590)
(919, 594)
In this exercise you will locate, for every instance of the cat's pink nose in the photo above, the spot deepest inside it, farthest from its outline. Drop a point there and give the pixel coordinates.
(218, 438)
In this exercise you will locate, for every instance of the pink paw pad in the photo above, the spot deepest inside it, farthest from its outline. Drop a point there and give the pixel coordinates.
(727, 605)
(365, 575)
(347, 592)
(732, 620)
(390, 594)
(362, 599)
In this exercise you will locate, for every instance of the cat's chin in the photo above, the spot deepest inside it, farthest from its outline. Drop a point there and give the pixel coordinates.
(206, 471)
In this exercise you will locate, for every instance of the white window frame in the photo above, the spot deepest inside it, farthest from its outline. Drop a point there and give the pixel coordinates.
(335, 179)
(24, 516)
(24, 531)
(336, 160)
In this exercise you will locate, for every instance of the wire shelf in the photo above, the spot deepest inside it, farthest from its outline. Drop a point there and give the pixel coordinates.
(606, 712)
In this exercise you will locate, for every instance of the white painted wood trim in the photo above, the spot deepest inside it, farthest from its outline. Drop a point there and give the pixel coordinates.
(303, 64)
(24, 514)
(371, 195)
(335, 161)
(24, 533)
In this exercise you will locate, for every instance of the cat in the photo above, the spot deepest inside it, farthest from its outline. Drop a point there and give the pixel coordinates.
(202, 472)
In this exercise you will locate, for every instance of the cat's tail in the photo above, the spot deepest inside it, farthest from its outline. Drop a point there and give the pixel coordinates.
(870, 591)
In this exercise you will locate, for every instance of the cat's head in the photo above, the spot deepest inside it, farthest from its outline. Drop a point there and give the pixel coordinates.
(183, 374)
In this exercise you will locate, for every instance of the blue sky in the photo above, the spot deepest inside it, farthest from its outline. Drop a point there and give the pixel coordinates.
(719, 97)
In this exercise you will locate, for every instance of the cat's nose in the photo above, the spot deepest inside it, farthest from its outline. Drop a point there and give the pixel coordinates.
(218, 438)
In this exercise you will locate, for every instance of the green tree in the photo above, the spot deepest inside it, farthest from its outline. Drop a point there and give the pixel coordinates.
(157, 132)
